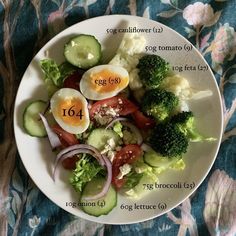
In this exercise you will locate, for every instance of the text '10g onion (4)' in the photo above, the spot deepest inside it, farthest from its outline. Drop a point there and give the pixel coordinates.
(70, 110)
(103, 81)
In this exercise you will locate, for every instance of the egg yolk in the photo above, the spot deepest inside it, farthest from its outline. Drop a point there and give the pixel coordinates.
(71, 111)
(107, 81)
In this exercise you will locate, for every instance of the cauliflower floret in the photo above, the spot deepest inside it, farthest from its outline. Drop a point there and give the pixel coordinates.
(134, 80)
(129, 62)
(119, 60)
(177, 85)
(132, 44)
(182, 106)
(128, 55)
(181, 88)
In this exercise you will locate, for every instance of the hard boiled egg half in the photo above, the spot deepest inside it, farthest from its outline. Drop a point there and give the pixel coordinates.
(103, 81)
(70, 110)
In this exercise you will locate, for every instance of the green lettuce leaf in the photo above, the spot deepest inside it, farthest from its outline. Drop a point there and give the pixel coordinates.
(66, 69)
(86, 169)
(50, 86)
(118, 128)
(51, 71)
(132, 179)
(56, 73)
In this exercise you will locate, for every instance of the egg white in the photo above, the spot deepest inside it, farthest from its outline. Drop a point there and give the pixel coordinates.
(89, 92)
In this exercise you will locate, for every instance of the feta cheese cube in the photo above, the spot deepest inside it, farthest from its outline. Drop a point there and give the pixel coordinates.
(111, 143)
(124, 170)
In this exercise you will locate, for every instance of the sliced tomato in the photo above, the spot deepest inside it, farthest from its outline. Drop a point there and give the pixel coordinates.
(127, 155)
(67, 139)
(118, 183)
(72, 81)
(122, 104)
(142, 121)
(70, 163)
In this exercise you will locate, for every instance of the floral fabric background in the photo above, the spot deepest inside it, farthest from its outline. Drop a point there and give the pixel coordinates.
(26, 25)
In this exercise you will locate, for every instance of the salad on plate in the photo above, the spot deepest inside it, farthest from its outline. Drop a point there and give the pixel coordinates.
(115, 125)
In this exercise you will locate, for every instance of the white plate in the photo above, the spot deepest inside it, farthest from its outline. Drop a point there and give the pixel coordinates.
(36, 153)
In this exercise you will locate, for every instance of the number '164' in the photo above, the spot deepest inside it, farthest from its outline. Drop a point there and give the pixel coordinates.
(72, 112)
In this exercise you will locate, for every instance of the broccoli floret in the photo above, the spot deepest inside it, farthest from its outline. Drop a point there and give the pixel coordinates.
(185, 122)
(168, 140)
(152, 70)
(159, 103)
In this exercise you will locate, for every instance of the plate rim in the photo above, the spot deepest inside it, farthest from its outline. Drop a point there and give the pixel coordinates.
(120, 17)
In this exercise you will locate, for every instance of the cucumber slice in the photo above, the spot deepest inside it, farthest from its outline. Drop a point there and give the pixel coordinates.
(31, 119)
(83, 51)
(99, 137)
(103, 205)
(154, 159)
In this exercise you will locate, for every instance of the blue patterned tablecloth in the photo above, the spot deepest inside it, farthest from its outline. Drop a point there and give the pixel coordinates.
(26, 25)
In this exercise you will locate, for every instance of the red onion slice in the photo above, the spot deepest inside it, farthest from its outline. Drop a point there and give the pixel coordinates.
(87, 151)
(84, 146)
(67, 155)
(77, 149)
(52, 136)
(75, 152)
(106, 185)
